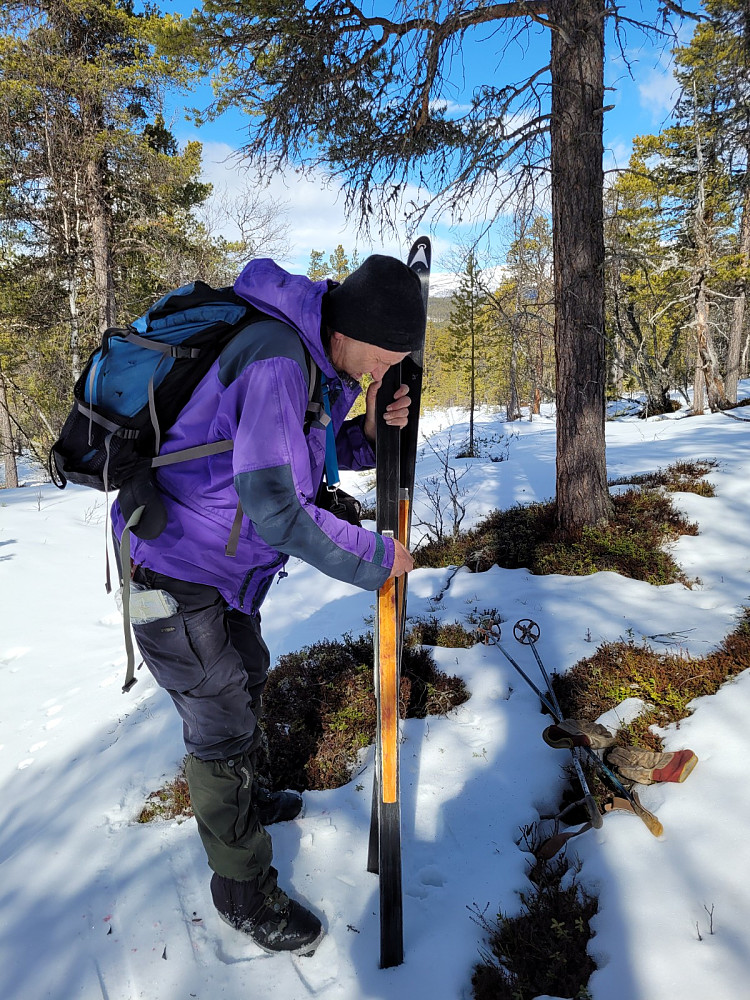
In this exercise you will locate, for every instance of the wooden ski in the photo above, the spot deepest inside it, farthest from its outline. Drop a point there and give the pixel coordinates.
(396, 460)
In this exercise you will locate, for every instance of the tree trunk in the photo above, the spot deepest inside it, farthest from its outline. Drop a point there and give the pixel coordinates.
(699, 387)
(578, 244)
(536, 406)
(513, 409)
(736, 330)
(473, 387)
(6, 439)
(101, 250)
(707, 360)
(75, 330)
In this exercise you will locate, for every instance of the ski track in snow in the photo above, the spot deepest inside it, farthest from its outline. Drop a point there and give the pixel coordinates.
(96, 906)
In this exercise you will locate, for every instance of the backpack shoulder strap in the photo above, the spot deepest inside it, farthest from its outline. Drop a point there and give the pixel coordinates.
(315, 411)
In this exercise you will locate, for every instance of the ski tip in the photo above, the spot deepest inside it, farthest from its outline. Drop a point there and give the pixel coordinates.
(420, 255)
(653, 823)
(632, 804)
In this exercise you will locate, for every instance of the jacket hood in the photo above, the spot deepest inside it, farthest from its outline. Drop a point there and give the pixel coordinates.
(291, 298)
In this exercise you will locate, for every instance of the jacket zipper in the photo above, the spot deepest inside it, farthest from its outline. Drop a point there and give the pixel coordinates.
(249, 578)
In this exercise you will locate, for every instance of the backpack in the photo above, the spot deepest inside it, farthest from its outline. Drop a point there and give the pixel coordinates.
(134, 386)
(131, 391)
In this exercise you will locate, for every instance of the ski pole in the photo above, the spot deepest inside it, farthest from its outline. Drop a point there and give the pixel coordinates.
(527, 632)
(592, 809)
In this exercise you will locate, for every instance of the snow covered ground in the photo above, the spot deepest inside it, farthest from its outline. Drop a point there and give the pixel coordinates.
(94, 906)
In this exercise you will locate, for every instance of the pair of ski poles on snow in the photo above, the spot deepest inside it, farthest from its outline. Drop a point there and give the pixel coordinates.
(527, 633)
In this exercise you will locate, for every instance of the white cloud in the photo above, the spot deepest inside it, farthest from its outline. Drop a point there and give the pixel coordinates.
(315, 206)
(617, 153)
(658, 92)
(316, 212)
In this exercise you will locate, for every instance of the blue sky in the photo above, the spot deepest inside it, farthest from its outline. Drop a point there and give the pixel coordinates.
(642, 93)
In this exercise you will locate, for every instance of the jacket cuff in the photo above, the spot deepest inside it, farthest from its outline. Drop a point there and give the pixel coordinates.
(363, 453)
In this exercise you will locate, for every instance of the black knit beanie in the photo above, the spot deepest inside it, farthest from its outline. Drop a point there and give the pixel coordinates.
(380, 303)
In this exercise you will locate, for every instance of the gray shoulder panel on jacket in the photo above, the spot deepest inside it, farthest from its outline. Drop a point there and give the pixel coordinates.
(269, 338)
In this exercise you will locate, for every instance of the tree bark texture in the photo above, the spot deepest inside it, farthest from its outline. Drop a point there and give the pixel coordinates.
(699, 387)
(707, 360)
(473, 383)
(513, 409)
(75, 332)
(101, 245)
(6, 439)
(736, 330)
(578, 244)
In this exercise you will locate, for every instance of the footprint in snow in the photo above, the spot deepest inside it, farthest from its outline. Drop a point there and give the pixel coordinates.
(432, 876)
(13, 654)
(427, 878)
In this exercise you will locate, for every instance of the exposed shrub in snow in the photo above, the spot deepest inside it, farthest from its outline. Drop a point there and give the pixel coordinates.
(680, 477)
(667, 682)
(430, 631)
(169, 802)
(632, 543)
(319, 711)
(319, 707)
(541, 950)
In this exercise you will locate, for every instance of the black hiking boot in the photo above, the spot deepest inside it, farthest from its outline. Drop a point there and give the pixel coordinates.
(276, 807)
(276, 924)
(284, 925)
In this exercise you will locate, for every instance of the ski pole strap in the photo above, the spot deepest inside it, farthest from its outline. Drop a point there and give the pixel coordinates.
(127, 572)
(332, 463)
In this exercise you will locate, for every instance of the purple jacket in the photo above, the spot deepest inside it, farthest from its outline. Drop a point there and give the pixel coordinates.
(256, 394)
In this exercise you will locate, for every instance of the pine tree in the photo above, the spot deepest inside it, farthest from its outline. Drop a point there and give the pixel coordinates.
(714, 68)
(317, 269)
(467, 326)
(96, 198)
(529, 314)
(339, 264)
(677, 216)
(648, 282)
(87, 158)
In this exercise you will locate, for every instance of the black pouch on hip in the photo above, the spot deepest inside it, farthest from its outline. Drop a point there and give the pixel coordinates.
(340, 504)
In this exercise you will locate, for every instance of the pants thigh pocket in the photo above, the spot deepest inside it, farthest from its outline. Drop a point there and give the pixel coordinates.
(170, 654)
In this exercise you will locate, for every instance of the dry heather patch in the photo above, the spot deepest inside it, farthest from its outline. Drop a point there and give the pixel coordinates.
(320, 707)
(667, 682)
(542, 949)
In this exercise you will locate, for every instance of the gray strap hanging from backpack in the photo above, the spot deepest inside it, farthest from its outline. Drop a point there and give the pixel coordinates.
(127, 573)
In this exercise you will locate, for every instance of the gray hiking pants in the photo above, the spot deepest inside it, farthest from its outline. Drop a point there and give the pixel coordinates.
(213, 662)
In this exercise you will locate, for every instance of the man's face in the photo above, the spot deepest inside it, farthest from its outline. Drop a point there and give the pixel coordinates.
(357, 358)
